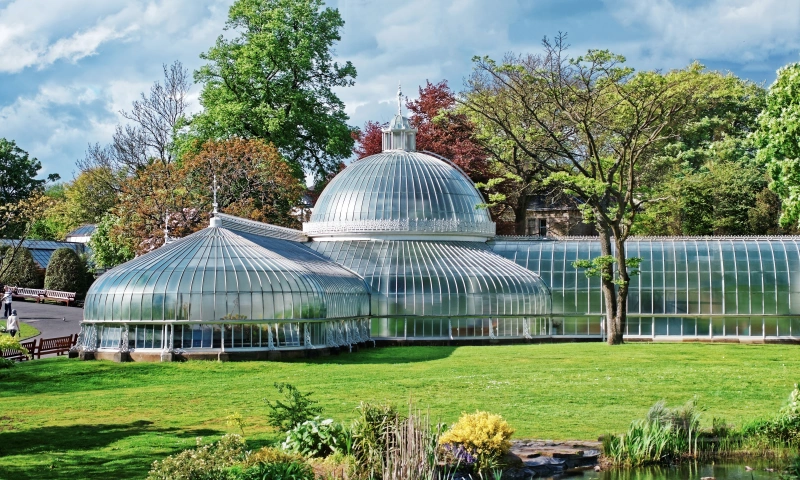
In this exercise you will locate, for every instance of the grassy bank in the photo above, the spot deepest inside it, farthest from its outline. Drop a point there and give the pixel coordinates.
(68, 419)
(25, 330)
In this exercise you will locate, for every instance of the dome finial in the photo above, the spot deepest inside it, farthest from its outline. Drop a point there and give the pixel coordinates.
(399, 99)
(215, 204)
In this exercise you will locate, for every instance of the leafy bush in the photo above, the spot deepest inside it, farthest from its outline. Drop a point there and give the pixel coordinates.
(271, 455)
(784, 428)
(294, 470)
(317, 438)
(206, 462)
(482, 435)
(337, 466)
(66, 272)
(7, 342)
(295, 409)
(369, 431)
(20, 270)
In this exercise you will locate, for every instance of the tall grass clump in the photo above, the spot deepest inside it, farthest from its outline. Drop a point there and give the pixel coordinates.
(411, 451)
(663, 435)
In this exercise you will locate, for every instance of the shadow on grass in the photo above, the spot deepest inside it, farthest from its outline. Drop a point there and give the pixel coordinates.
(386, 355)
(76, 451)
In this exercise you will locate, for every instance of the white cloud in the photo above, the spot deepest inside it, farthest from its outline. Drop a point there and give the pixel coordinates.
(739, 31)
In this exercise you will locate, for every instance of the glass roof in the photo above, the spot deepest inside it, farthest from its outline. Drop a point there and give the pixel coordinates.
(693, 276)
(427, 278)
(83, 230)
(217, 274)
(399, 191)
(42, 250)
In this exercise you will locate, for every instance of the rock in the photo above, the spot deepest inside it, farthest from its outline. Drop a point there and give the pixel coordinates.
(708, 478)
(533, 455)
(748, 468)
(597, 468)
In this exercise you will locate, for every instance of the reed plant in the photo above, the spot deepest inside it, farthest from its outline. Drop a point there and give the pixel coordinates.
(411, 451)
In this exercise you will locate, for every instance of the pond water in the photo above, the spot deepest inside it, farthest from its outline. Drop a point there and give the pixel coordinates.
(691, 471)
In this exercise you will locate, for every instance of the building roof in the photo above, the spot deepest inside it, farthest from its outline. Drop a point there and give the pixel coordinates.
(83, 231)
(220, 274)
(42, 250)
(400, 192)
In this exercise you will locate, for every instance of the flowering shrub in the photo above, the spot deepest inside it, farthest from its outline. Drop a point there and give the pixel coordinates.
(7, 342)
(206, 462)
(478, 439)
(317, 438)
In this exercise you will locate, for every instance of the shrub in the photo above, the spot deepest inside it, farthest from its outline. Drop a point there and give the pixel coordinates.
(483, 436)
(271, 455)
(7, 342)
(66, 272)
(784, 428)
(294, 470)
(295, 409)
(206, 462)
(20, 270)
(337, 466)
(317, 438)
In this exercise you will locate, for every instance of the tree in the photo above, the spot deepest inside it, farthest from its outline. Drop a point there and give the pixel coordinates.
(275, 81)
(19, 269)
(109, 248)
(66, 272)
(594, 126)
(254, 182)
(18, 173)
(706, 181)
(778, 141)
(150, 135)
(369, 141)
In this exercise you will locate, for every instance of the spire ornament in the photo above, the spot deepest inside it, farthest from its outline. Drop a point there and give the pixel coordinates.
(214, 188)
(399, 100)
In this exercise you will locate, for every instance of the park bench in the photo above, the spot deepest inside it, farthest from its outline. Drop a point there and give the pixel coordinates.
(58, 345)
(28, 293)
(14, 354)
(57, 296)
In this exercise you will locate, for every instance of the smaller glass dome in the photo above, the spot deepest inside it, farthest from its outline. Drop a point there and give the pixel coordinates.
(217, 274)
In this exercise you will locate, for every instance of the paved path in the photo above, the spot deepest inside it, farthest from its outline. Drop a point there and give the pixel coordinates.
(51, 319)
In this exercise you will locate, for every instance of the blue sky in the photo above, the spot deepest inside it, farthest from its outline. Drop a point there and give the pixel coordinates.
(67, 67)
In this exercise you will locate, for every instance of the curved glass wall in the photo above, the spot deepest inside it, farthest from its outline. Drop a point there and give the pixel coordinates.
(444, 289)
(399, 191)
(216, 274)
(690, 287)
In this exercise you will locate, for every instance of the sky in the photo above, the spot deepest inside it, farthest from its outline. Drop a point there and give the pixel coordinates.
(68, 67)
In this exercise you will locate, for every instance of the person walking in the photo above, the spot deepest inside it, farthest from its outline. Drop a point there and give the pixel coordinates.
(7, 303)
(12, 325)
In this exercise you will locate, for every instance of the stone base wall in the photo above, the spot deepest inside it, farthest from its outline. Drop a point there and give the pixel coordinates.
(226, 356)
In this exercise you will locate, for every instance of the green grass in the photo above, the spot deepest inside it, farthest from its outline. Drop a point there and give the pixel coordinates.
(25, 330)
(63, 418)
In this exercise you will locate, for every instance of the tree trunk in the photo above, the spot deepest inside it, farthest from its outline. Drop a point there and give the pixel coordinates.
(621, 319)
(613, 333)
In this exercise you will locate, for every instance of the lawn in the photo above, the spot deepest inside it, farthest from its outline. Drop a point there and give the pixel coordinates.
(25, 330)
(63, 418)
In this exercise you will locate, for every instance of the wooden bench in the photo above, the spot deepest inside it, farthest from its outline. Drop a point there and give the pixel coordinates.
(58, 345)
(14, 354)
(36, 293)
(57, 296)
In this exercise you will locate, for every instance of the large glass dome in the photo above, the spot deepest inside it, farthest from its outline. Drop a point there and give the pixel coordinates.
(401, 193)
(217, 274)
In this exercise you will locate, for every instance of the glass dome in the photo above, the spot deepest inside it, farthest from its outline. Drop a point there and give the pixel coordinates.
(398, 192)
(217, 274)
(428, 289)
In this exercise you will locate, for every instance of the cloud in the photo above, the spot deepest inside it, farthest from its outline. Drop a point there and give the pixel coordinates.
(739, 31)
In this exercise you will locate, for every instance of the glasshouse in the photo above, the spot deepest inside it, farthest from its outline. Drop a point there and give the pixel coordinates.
(398, 249)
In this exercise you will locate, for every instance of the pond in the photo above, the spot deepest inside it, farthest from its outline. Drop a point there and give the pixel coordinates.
(689, 471)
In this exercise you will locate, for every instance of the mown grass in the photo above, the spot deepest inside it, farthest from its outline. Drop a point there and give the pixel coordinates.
(63, 418)
(25, 330)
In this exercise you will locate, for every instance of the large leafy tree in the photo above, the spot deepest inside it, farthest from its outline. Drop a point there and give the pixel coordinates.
(254, 181)
(778, 141)
(595, 127)
(275, 81)
(705, 180)
(18, 173)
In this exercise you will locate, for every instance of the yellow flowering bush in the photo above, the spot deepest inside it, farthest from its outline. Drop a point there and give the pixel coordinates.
(478, 439)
